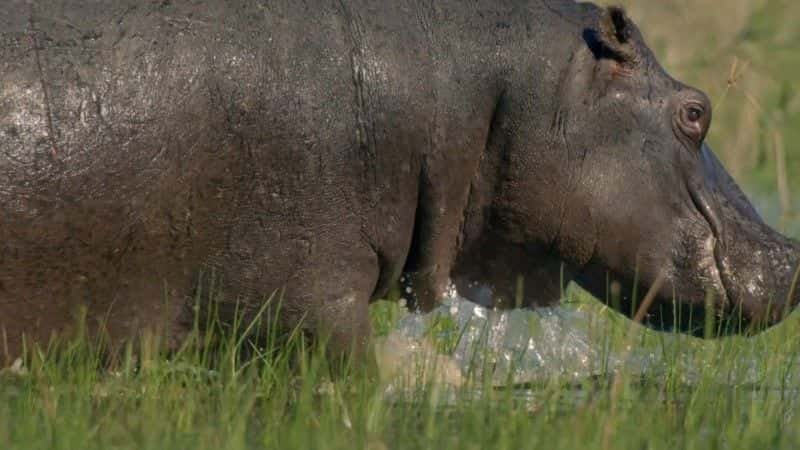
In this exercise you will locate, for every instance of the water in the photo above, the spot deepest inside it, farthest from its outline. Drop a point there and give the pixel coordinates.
(512, 346)
(529, 344)
(574, 342)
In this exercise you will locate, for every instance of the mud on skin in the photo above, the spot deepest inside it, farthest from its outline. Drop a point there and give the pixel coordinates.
(322, 149)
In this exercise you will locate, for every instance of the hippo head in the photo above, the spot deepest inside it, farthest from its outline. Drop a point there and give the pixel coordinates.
(634, 199)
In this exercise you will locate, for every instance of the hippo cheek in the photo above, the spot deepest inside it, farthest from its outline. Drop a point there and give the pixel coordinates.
(677, 264)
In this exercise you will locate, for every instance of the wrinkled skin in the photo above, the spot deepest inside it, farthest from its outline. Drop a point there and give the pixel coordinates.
(318, 151)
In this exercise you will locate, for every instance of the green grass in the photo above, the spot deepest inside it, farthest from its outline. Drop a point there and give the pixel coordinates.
(219, 392)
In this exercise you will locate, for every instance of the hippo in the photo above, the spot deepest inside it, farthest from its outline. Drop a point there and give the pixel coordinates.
(316, 152)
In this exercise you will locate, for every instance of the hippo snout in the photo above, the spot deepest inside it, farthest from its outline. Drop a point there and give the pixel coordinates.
(758, 266)
(759, 269)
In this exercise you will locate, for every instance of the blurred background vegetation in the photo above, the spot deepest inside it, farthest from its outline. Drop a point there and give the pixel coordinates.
(745, 54)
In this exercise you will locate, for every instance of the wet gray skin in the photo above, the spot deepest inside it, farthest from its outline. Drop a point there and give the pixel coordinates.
(319, 150)
(678, 214)
(644, 199)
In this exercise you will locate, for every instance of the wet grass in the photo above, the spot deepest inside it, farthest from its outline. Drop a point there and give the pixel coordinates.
(219, 392)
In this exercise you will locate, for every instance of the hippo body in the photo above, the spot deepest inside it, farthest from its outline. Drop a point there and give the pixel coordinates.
(315, 151)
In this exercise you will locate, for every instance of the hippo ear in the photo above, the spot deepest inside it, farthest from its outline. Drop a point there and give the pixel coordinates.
(615, 37)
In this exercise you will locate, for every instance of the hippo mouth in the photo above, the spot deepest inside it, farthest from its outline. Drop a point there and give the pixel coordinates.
(712, 298)
(712, 264)
(699, 289)
(749, 271)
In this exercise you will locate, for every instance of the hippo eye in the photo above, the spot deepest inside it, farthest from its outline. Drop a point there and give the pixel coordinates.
(693, 121)
(693, 113)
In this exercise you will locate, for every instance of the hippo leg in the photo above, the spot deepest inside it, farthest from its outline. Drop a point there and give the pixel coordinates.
(335, 301)
(499, 274)
(149, 311)
(320, 282)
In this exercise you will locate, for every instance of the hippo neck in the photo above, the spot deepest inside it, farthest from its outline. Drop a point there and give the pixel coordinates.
(494, 70)
(531, 83)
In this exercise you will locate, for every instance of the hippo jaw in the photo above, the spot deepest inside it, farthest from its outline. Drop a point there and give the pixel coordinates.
(748, 273)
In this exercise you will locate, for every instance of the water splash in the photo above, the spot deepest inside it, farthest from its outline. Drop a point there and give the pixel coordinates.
(512, 346)
(571, 342)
